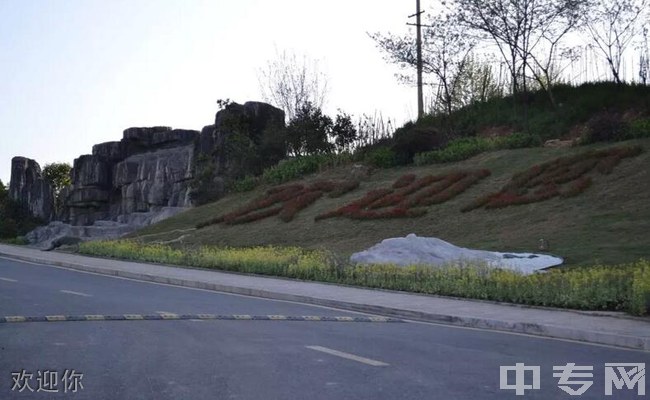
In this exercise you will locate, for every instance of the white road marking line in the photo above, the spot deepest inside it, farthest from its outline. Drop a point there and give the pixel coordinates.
(348, 356)
(8, 280)
(43, 264)
(75, 293)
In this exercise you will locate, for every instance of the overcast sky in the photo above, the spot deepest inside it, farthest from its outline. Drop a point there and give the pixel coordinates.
(79, 72)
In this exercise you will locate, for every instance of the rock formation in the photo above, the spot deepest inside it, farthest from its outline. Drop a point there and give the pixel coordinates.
(30, 188)
(253, 125)
(150, 168)
(152, 173)
(153, 168)
(243, 141)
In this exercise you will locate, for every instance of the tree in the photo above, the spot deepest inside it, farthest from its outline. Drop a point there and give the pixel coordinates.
(344, 133)
(58, 175)
(644, 59)
(612, 24)
(290, 82)
(527, 33)
(476, 83)
(308, 131)
(445, 51)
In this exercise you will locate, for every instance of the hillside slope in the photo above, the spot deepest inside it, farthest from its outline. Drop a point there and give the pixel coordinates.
(609, 222)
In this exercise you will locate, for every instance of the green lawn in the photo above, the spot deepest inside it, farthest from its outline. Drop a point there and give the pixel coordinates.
(608, 223)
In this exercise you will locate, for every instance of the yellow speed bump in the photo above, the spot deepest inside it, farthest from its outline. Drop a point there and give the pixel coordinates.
(55, 317)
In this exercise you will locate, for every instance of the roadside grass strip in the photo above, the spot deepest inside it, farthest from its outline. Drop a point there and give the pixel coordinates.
(176, 317)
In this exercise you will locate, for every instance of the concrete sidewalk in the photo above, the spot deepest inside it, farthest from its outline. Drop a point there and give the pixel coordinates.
(607, 328)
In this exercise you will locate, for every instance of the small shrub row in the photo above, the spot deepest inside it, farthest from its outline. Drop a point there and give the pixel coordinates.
(408, 196)
(617, 287)
(298, 167)
(381, 157)
(342, 188)
(464, 148)
(564, 177)
(285, 201)
(303, 200)
(404, 181)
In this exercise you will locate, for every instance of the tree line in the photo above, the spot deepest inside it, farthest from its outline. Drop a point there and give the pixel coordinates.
(531, 37)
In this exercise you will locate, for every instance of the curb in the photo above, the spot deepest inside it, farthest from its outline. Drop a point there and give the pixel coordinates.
(541, 330)
(12, 319)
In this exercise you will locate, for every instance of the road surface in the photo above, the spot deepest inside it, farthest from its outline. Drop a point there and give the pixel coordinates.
(255, 359)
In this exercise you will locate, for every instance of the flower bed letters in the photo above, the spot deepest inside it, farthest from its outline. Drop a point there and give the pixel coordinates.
(563, 177)
(408, 196)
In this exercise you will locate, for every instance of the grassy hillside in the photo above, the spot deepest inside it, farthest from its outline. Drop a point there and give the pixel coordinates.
(608, 223)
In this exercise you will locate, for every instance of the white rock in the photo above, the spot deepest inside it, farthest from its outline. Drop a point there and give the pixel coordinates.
(414, 250)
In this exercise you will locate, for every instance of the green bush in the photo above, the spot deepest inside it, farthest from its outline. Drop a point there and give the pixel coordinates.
(464, 148)
(245, 184)
(18, 241)
(457, 150)
(516, 141)
(297, 167)
(410, 140)
(606, 127)
(381, 157)
(639, 128)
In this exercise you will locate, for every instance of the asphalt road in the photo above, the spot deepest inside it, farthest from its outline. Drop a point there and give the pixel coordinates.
(244, 359)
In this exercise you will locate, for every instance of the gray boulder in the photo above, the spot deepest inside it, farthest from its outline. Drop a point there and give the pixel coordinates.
(414, 250)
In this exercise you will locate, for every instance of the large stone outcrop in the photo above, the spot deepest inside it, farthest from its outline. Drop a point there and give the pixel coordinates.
(153, 168)
(244, 139)
(151, 173)
(150, 168)
(30, 188)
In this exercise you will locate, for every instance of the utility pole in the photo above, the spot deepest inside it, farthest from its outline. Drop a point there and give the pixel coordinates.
(418, 44)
